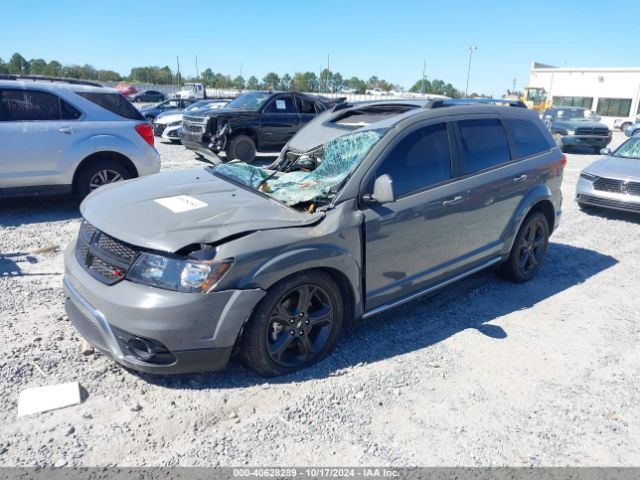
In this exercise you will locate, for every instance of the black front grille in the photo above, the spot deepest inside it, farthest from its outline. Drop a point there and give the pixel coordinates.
(193, 128)
(104, 257)
(607, 202)
(598, 131)
(617, 186)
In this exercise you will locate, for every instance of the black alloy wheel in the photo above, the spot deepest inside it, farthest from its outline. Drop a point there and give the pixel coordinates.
(529, 249)
(294, 326)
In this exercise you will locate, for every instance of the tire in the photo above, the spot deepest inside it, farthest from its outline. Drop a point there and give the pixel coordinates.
(596, 150)
(529, 249)
(281, 337)
(241, 147)
(99, 173)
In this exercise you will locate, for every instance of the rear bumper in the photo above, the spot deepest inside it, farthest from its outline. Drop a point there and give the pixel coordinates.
(148, 163)
(181, 332)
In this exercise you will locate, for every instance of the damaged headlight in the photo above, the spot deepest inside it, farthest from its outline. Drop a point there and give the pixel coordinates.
(176, 273)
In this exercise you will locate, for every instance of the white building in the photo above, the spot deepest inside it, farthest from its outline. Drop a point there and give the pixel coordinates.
(613, 93)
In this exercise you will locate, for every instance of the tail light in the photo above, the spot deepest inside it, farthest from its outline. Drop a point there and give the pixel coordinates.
(145, 130)
(563, 161)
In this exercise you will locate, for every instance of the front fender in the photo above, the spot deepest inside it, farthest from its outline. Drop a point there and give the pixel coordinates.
(536, 195)
(308, 258)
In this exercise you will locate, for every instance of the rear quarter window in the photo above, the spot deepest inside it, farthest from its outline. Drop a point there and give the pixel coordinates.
(526, 138)
(114, 102)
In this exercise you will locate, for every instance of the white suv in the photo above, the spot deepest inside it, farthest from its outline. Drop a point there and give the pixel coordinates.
(63, 136)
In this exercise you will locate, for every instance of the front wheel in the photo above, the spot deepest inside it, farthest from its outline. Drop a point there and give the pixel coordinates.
(294, 326)
(241, 147)
(529, 249)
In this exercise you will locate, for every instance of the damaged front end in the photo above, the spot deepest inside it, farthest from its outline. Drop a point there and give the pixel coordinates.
(219, 138)
(310, 179)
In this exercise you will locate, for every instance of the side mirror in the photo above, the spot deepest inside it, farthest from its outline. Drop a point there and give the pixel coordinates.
(382, 191)
(605, 151)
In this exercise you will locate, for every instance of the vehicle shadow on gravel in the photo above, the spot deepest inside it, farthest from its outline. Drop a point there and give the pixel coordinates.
(471, 303)
(629, 217)
(38, 210)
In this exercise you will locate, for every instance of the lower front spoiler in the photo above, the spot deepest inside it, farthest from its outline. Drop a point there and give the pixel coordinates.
(93, 326)
(604, 202)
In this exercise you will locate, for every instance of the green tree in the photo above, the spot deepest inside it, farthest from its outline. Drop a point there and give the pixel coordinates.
(18, 65)
(252, 83)
(271, 81)
(305, 82)
(53, 69)
(3, 67)
(207, 77)
(239, 82)
(37, 67)
(285, 82)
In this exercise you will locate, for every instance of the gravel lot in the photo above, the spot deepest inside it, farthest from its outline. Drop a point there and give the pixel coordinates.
(483, 373)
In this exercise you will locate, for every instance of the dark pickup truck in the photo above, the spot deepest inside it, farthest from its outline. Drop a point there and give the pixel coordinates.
(253, 121)
(576, 127)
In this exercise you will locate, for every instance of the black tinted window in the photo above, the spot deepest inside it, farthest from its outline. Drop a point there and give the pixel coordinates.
(27, 105)
(526, 137)
(419, 160)
(484, 144)
(68, 112)
(114, 102)
(281, 105)
(304, 105)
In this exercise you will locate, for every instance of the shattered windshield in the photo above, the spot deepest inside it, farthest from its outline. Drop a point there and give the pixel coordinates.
(249, 101)
(313, 176)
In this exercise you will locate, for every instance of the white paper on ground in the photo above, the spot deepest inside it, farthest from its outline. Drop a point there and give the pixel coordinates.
(42, 399)
(180, 203)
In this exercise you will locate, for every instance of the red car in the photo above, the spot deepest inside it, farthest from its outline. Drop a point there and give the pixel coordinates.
(126, 89)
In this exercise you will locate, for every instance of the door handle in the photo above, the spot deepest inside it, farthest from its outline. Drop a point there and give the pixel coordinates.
(67, 130)
(520, 179)
(452, 201)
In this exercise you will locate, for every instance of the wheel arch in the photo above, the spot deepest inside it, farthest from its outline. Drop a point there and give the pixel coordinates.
(337, 263)
(539, 199)
(248, 131)
(101, 156)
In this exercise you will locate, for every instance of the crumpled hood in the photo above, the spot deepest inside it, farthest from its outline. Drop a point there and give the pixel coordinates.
(615, 167)
(171, 210)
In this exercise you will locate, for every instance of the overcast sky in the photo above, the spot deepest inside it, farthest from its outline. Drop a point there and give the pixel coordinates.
(390, 39)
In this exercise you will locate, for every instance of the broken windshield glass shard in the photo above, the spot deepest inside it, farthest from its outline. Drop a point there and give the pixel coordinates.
(338, 158)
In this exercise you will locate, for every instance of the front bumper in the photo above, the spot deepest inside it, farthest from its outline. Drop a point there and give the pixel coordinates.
(587, 195)
(585, 140)
(193, 331)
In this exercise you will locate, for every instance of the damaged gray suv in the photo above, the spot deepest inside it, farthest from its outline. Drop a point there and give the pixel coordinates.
(368, 207)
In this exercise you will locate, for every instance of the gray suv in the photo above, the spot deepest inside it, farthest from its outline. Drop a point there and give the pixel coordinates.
(368, 207)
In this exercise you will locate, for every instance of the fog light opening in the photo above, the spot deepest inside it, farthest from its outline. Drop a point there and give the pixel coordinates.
(142, 349)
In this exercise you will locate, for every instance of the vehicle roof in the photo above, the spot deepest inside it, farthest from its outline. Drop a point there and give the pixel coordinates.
(54, 85)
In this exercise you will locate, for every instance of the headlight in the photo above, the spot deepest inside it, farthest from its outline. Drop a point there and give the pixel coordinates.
(175, 124)
(588, 176)
(176, 273)
(571, 132)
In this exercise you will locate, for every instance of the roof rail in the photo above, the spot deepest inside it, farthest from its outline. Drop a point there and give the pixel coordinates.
(44, 78)
(452, 102)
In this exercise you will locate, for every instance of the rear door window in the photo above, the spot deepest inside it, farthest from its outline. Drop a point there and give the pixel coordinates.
(419, 160)
(484, 144)
(28, 105)
(305, 106)
(114, 102)
(526, 138)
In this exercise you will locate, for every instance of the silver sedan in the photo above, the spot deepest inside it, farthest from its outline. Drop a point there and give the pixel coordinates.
(613, 181)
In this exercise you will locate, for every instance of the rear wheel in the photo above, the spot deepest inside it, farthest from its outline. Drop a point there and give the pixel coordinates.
(529, 249)
(241, 147)
(98, 174)
(294, 326)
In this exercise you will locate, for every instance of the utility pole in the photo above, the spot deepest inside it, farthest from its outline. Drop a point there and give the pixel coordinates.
(241, 69)
(514, 85)
(424, 71)
(178, 75)
(197, 73)
(472, 48)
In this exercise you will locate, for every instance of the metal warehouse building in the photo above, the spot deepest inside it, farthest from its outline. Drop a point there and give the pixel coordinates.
(613, 93)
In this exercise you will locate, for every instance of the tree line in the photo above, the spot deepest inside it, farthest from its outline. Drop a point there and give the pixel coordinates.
(326, 81)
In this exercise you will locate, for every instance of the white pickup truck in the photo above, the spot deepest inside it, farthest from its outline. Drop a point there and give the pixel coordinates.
(193, 91)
